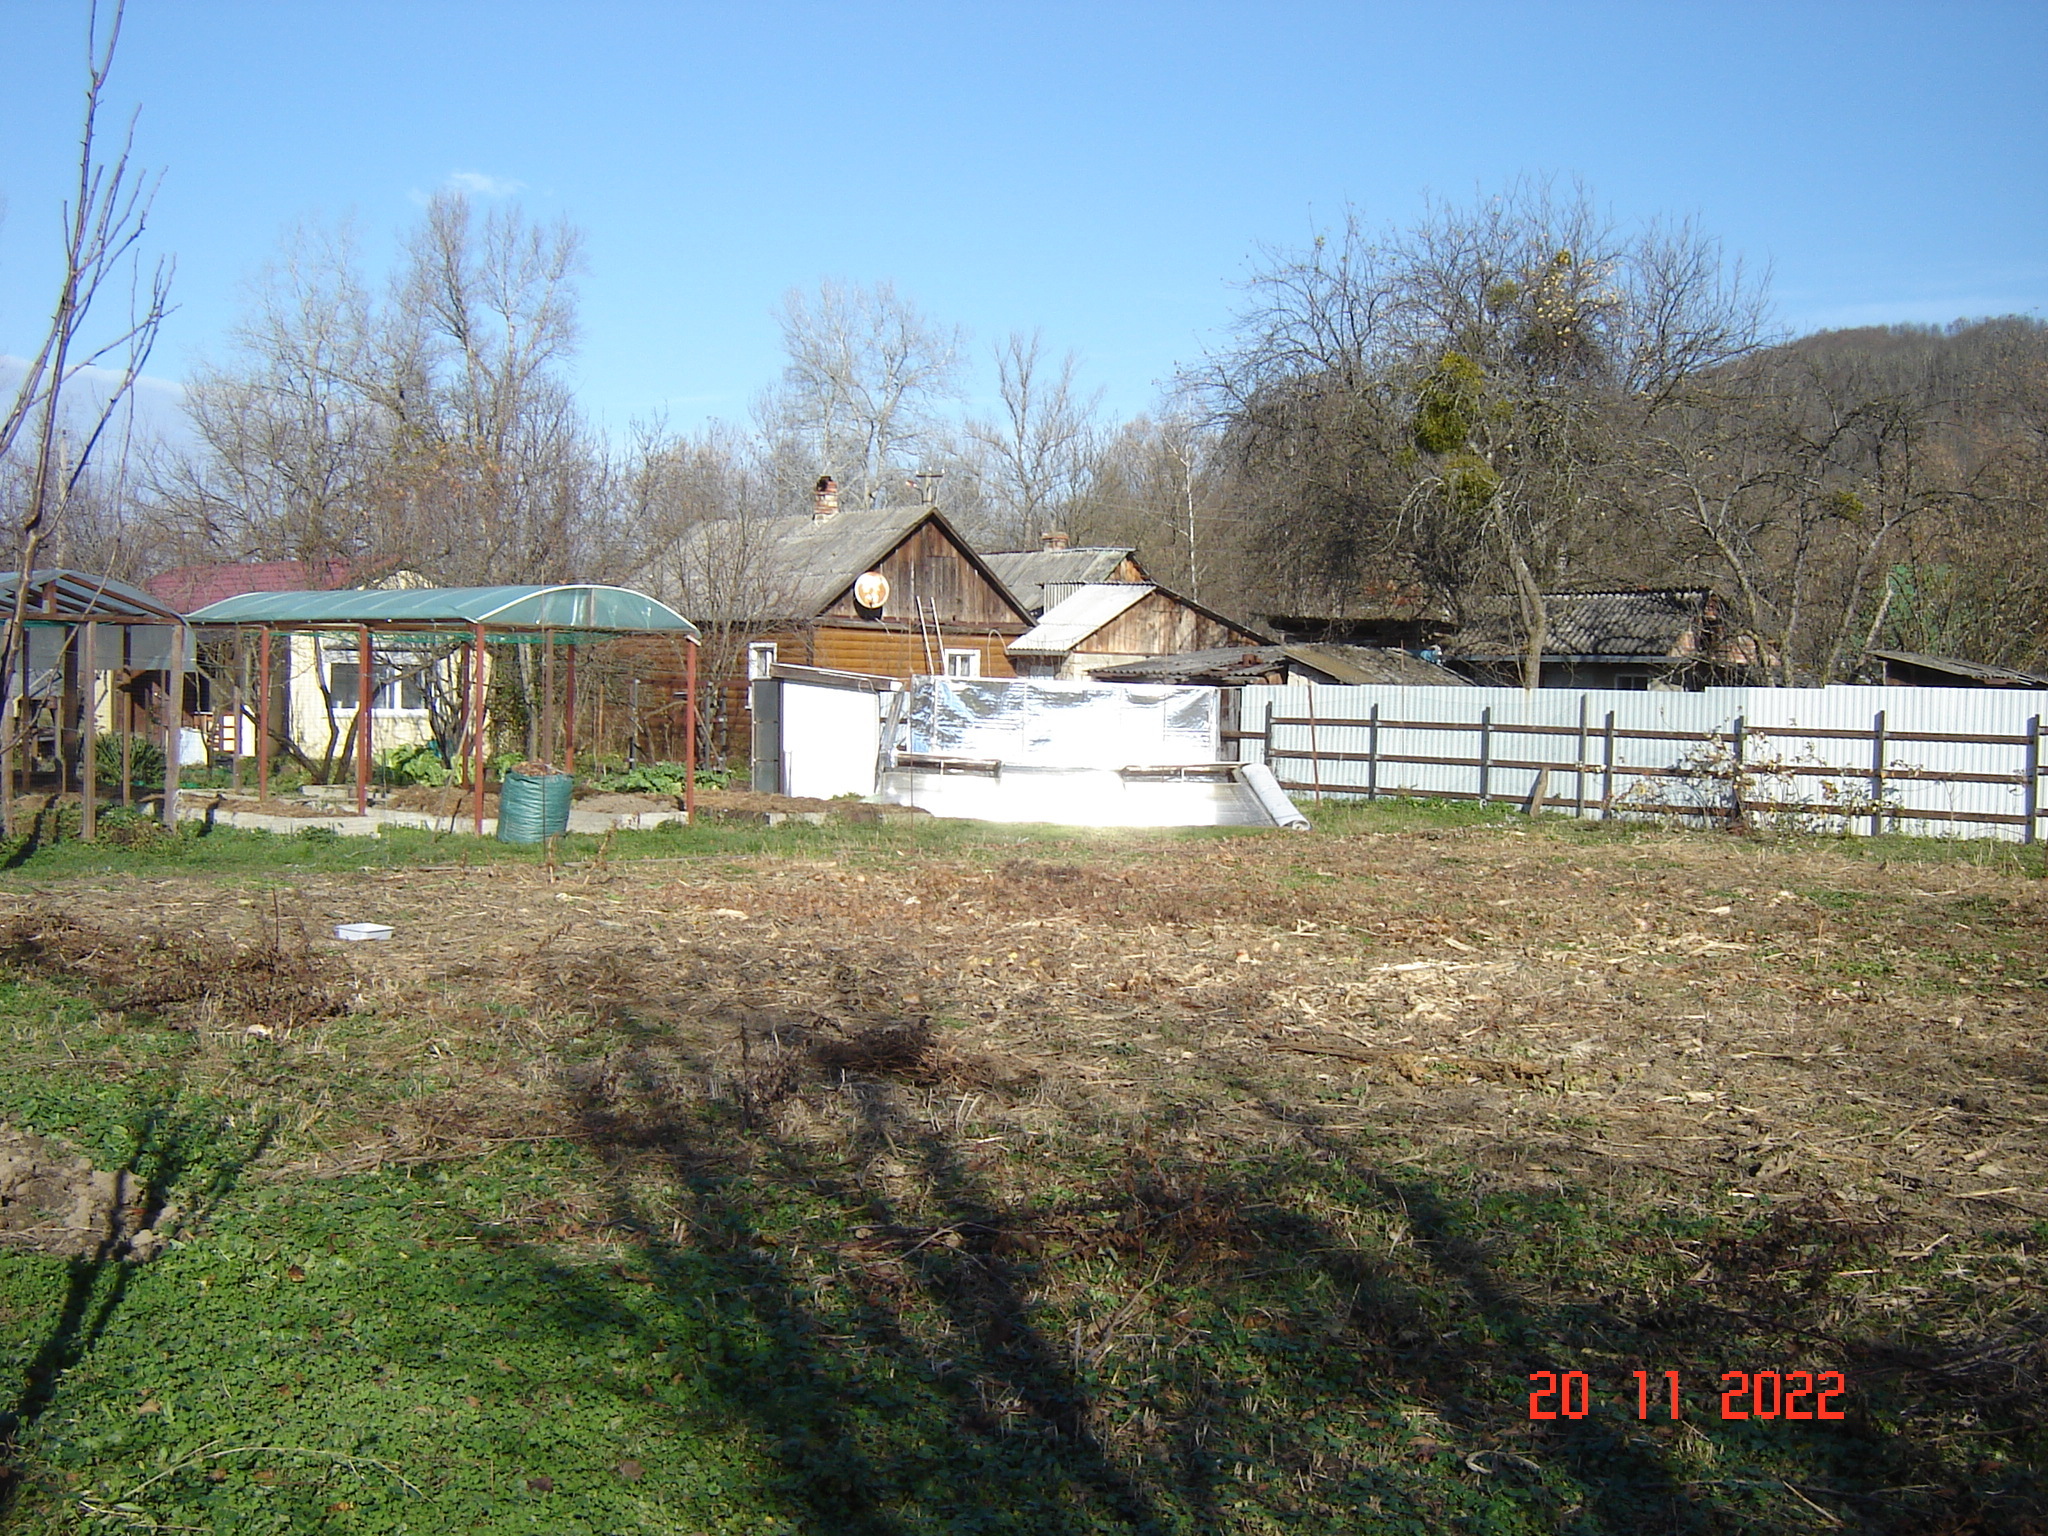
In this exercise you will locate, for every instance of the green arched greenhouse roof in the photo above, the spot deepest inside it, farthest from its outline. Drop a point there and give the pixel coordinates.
(589, 612)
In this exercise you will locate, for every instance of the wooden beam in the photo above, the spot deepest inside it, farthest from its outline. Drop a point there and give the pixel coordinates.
(365, 680)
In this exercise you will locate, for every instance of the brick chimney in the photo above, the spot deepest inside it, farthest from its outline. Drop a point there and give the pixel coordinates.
(1053, 539)
(825, 498)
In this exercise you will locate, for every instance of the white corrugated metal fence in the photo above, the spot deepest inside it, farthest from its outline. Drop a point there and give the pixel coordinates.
(1928, 761)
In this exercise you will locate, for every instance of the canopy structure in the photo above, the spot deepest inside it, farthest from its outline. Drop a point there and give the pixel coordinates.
(568, 614)
(552, 617)
(66, 616)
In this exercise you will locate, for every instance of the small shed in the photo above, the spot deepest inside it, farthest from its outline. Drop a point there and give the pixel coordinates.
(75, 628)
(1913, 669)
(1038, 578)
(1235, 666)
(1102, 624)
(558, 619)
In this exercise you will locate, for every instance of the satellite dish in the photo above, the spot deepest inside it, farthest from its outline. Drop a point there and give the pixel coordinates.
(871, 590)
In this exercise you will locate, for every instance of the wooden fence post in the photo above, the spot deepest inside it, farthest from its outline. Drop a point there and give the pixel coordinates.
(1607, 773)
(2033, 776)
(1315, 761)
(1579, 794)
(1372, 756)
(1485, 752)
(1877, 774)
(1738, 764)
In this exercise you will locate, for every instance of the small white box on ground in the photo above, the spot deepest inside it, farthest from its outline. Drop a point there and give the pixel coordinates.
(357, 932)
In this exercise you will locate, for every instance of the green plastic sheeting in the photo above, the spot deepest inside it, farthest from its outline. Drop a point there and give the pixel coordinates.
(533, 807)
(568, 613)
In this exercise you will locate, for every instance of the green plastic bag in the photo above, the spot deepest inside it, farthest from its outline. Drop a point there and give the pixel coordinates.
(533, 807)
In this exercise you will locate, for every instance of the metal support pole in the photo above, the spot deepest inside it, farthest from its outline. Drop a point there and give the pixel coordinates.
(174, 710)
(88, 765)
(241, 703)
(569, 709)
(263, 715)
(1877, 775)
(366, 679)
(547, 697)
(690, 735)
(478, 740)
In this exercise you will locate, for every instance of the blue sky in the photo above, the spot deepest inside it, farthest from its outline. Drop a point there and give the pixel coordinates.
(1104, 171)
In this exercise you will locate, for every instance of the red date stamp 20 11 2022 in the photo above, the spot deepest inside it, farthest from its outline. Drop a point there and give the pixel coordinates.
(1783, 1395)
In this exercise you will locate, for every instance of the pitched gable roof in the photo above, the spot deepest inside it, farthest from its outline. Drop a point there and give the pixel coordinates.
(807, 563)
(1073, 619)
(189, 588)
(1028, 572)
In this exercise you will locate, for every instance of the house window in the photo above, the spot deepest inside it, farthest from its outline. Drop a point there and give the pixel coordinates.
(963, 663)
(760, 661)
(1632, 682)
(399, 689)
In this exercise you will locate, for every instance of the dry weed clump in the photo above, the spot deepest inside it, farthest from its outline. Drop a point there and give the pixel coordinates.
(274, 985)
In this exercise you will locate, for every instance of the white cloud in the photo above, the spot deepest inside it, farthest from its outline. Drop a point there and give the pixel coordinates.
(481, 184)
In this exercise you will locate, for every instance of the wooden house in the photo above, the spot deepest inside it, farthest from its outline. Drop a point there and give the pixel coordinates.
(1103, 623)
(1675, 639)
(1914, 669)
(1038, 578)
(886, 591)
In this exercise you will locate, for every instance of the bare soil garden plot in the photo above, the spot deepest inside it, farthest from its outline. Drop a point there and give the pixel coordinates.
(1746, 1096)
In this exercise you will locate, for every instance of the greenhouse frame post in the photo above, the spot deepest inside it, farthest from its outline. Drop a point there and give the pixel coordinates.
(690, 735)
(366, 676)
(477, 738)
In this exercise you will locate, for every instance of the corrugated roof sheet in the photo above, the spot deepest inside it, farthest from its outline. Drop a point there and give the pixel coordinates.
(1068, 623)
(584, 609)
(1670, 622)
(1347, 664)
(1028, 572)
(81, 595)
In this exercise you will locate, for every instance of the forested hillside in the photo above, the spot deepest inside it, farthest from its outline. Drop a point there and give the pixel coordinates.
(1502, 401)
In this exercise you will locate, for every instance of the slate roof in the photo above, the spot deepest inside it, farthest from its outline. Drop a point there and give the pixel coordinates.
(1975, 671)
(1067, 623)
(1027, 572)
(807, 562)
(191, 587)
(1348, 664)
(1673, 623)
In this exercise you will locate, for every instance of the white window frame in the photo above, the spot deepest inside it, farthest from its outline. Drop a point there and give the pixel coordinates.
(760, 660)
(385, 698)
(961, 663)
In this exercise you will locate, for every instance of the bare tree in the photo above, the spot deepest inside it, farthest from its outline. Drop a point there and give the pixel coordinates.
(103, 224)
(865, 372)
(1039, 451)
(1465, 382)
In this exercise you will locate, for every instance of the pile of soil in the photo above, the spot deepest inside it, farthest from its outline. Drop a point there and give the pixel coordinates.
(52, 1200)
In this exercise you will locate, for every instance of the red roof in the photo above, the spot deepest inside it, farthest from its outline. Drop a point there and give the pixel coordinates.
(192, 587)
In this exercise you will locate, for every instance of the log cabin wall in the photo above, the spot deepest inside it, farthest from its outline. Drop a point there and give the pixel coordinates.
(929, 567)
(1160, 624)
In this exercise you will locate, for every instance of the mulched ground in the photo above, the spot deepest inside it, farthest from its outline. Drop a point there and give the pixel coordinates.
(1686, 1019)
